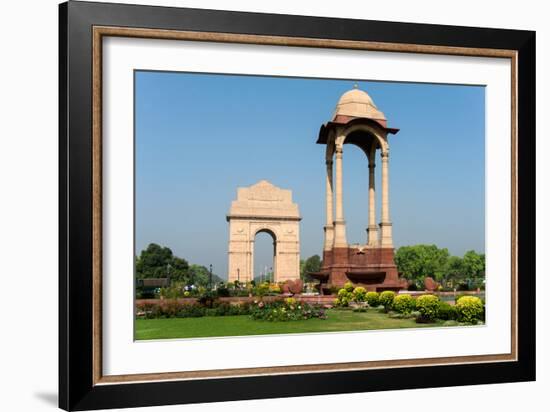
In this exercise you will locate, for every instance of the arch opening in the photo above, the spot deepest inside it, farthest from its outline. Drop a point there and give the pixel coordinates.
(355, 184)
(264, 257)
(363, 139)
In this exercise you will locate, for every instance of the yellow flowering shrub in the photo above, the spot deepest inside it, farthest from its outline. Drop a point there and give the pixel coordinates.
(403, 303)
(470, 309)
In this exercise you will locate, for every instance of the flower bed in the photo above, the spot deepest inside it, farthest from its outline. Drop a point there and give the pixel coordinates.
(272, 310)
(287, 310)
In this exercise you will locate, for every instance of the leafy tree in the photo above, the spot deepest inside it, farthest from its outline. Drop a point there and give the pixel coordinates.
(311, 264)
(473, 268)
(419, 261)
(455, 273)
(200, 275)
(473, 264)
(159, 262)
(179, 270)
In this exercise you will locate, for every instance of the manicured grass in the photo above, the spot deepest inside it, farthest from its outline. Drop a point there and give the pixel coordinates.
(209, 326)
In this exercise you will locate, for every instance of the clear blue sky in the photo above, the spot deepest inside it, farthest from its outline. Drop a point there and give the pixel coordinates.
(199, 137)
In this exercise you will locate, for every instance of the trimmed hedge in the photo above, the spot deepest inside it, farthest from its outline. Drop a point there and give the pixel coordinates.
(428, 306)
(447, 311)
(469, 309)
(403, 304)
(386, 299)
(373, 299)
(344, 298)
(359, 294)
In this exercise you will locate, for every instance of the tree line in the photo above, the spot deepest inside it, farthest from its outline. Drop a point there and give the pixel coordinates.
(414, 263)
(417, 262)
(160, 262)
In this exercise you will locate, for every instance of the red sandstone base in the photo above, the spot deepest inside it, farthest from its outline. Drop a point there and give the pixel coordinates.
(372, 268)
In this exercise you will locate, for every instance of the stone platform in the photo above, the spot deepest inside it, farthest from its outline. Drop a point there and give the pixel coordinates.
(371, 267)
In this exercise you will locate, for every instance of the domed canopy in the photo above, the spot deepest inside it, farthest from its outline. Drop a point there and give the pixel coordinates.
(357, 104)
(355, 107)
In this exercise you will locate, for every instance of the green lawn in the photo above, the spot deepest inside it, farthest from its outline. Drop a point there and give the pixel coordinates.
(209, 326)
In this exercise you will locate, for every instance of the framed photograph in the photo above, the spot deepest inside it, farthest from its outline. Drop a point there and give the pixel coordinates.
(256, 205)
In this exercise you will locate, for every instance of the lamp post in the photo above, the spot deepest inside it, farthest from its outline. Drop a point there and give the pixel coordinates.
(168, 267)
(238, 275)
(210, 278)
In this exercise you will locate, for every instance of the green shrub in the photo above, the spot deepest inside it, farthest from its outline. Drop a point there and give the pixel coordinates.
(372, 299)
(469, 309)
(174, 309)
(262, 289)
(386, 299)
(227, 309)
(447, 311)
(348, 286)
(222, 292)
(359, 294)
(428, 306)
(344, 298)
(403, 304)
(460, 295)
(172, 292)
(208, 298)
(190, 311)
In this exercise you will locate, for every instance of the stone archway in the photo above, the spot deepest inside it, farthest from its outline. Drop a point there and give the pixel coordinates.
(264, 207)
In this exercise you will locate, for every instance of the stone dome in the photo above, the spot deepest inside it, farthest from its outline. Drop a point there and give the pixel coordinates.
(357, 103)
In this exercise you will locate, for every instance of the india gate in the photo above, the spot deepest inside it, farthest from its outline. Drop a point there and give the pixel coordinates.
(265, 207)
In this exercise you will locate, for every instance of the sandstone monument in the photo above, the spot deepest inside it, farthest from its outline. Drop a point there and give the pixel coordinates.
(357, 121)
(264, 207)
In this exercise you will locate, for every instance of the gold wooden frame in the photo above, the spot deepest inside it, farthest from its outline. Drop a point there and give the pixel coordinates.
(101, 31)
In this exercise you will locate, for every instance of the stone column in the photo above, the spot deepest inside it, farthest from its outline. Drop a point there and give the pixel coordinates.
(339, 223)
(385, 223)
(329, 227)
(372, 229)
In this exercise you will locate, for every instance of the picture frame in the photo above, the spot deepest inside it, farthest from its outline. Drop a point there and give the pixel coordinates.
(82, 28)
